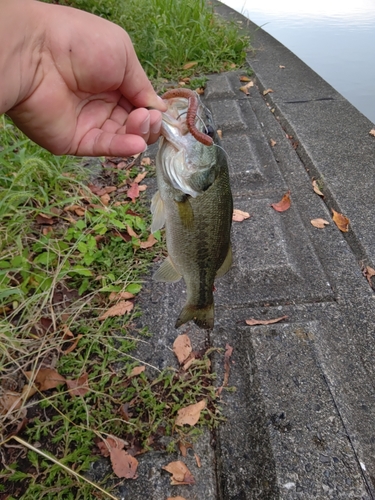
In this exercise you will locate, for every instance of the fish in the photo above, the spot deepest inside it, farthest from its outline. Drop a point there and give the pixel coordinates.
(194, 203)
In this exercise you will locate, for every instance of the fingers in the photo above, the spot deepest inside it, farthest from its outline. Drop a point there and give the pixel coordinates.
(144, 123)
(101, 143)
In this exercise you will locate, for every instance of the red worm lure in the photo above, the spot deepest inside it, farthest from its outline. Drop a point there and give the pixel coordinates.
(191, 113)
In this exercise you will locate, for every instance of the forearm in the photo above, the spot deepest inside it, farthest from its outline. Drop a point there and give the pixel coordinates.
(21, 43)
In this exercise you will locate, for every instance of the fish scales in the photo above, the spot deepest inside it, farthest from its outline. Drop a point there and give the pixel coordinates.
(197, 224)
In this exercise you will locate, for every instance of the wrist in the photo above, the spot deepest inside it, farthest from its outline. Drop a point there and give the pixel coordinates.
(21, 39)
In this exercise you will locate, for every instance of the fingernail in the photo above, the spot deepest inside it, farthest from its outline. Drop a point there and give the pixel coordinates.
(155, 128)
(145, 126)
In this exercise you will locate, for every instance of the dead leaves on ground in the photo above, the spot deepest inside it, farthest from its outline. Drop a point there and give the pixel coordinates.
(124, 465)
(189, 415)
(42, 380)
(239, 215)
(122, 307)
(253, 321)
(319, 223)
(283, 204)
(341, 221)
(180, 473)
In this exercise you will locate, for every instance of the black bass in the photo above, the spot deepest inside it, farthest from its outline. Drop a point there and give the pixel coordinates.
(194, 202)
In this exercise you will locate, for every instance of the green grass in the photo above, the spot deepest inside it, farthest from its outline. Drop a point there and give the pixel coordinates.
(57, 278)
(167, 34)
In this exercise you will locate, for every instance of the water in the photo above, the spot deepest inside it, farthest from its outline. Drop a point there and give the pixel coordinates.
(336, 38)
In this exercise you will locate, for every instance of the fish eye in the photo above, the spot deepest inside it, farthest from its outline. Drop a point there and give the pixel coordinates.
(210, 131)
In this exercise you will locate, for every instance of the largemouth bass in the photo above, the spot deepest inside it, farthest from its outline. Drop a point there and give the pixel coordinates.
(194, 202)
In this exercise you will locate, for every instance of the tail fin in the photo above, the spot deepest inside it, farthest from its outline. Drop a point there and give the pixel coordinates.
(202, 317)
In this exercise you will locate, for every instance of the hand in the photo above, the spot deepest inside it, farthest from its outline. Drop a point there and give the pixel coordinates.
(89, 93)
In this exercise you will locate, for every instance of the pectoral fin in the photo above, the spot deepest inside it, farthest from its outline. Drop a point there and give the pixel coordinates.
(167, 272)
(225, 266)
(158, 214)
(186, 213)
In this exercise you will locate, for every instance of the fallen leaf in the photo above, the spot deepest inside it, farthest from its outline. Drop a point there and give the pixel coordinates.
(182, 348)
(120, 295)
(141, 176)
(133, 191)
(151, 240)
(198, 460)
(180, 473)
(105, 199)
(316, 188)
(146, 161)
(341, 221)
(78, 387)
(119, 309)
(268, 91)
(190, 64)
(137, 370)
(369, 272)
(176, 498)
(319, 223)
(281, 66)
(123, 464)
(184, 447)
(131, 232)
(77, 209)
(219, 133)
(106, 190)
(273, 143)
(190, 414)
(253, 321)
(372, 132)
(239, 215)
(74, 345)
(245, 88)
(283, 204)
(46, 378)
(45, 219)
(245, 79)
(10, 401)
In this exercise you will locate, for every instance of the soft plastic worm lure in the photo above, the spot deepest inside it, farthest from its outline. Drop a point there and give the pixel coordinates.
(191, 113)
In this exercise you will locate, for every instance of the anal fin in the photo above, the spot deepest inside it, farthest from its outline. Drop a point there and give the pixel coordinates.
(167, 272)
(225, 266)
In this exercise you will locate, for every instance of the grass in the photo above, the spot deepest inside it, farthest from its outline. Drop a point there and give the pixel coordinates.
(65, 249)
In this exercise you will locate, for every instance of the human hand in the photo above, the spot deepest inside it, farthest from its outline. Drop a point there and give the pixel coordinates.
(89, 94)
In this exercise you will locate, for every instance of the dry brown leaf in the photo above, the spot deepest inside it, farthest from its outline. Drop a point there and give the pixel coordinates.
(281, 66)
(123, 464)
(190, 414)
(245, 79)
(190, 64)
(283, 204)
(273, 143)
(176, 498)
(106, 190)
(137, 370)
(151, 240)
(74, 345)
(133, 191)
(120, 295)
(245, 88)
(369, 272)
(119, 309)
(198, 460)
(184, 447)
(319, 223)
(372, 132)
(78, 387)
(45, 219)
(46, 378)
(268, 91)
(10, 401)
(316, 189)
(182, 348)
(239, 215)
(105, 199)
(341, 221)
(142, 175)
(180, 473)
(219, 133)
(131, 232)
(253, 321)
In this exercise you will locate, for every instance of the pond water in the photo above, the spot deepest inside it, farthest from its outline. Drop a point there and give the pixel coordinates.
(336, 38)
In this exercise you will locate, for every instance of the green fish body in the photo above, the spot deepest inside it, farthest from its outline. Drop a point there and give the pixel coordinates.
(194, 202)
